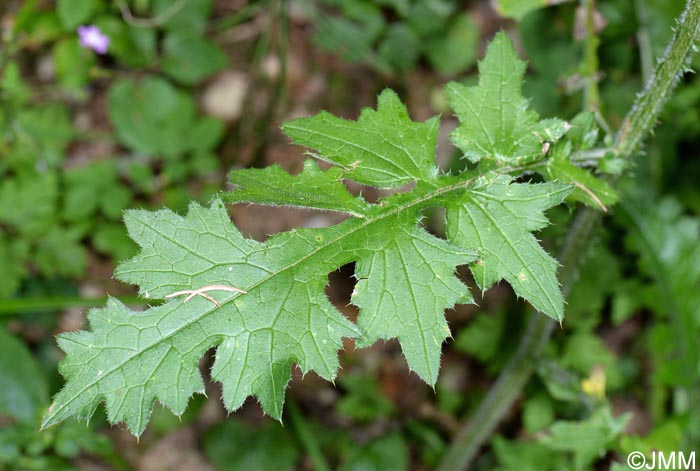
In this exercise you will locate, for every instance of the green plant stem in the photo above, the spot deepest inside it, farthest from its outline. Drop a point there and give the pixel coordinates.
(639, 121)
(305, 437)
(646, 53)
(278, 86)
(10, 307)
(642, 117)
(590, 61)
(591, 64)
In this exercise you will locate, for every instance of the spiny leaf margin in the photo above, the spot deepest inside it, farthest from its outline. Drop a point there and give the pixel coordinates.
(496, 124)
(305, 257)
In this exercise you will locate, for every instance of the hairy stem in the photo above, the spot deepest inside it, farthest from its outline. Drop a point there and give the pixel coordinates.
(642, 117)
(637, 124)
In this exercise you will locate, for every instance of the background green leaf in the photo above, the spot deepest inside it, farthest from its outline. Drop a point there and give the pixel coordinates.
(77, 12)
(23, 390)
(188, 58)
(234, 445)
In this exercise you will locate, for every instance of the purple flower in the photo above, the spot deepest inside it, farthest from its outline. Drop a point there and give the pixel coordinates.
(92, 38)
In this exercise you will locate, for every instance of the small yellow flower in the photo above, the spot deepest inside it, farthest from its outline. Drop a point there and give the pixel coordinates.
(594, 385)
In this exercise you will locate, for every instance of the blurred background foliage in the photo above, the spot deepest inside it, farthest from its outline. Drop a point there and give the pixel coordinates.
(190, 89)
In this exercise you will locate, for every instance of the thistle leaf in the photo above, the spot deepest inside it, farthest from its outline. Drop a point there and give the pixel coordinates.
(262, 306)
(496, 218)
(495, 122)
(383, 148)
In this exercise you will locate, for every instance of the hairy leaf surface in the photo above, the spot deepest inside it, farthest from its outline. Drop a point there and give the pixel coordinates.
(312, 188)
(262, 305)
(383, 148)
(495, 122)
(497, 217)
(129, 358)
(404, 289)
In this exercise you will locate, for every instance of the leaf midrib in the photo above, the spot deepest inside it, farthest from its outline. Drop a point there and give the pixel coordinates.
(391, 211)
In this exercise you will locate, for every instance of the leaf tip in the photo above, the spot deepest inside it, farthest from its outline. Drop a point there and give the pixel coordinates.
(49, 418)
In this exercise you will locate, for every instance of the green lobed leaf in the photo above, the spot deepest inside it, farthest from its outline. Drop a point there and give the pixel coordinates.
(312, 188)
(496, 218)
(383, 148)
(495, 122)
(130, 359)
(403, 290)
(153, 355)
(406, 276)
